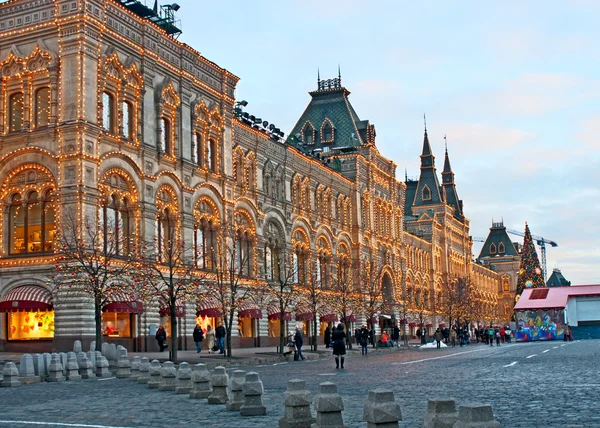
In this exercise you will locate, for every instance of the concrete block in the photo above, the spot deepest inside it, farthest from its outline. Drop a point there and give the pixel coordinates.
(123, 368)
(236, 393)
(297, 402)
(184, 379)
(86, 368)
(253, 390)
(102, 367)
(329, 406)
(154, 373)
(135, 368)
(440, 414)
(381, 410)
(93, 346)
(10, 375)
(200, 382)
(476, 416)
(168, 377)
(77, 346)
(144, 371)
(218, 382)
(72, 367)
(27, 370)
(55, 370)
(39, 366)
(63, 362)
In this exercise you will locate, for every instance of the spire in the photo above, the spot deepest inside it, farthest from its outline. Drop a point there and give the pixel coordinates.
(405, 175)
(451, 196)
(428, 189)
(339, 74)
(426, 145)
(318, 77)
(447, 167)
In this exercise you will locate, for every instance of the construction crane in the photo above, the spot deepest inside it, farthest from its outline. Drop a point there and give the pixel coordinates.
(541, 242)
(538, 239)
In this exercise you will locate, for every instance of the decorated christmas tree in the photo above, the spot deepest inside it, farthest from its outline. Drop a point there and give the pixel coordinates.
(530, 273)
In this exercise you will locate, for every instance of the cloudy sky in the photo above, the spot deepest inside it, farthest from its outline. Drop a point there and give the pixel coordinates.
(514, 85)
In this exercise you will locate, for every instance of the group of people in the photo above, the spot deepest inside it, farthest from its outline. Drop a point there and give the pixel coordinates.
(215, 338)
(462, 335)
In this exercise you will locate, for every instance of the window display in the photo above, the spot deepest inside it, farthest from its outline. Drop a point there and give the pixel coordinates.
(274, 328)
(247, 327)
(116, 324)
(204, 322)
(30, 325)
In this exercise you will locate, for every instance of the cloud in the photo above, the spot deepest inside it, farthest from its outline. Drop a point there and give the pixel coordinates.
(588, 136)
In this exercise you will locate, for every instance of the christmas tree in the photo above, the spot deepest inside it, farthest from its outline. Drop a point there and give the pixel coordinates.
(530, 273)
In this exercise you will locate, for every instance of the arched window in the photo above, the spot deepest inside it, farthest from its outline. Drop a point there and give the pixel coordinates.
(15, 112)
(244, 259)
(197, 149)
(108, 112)
(272, 263)
(493, 248)
(41, 108)
(309, 134)
(505, 283)
(165, 136)
(501, 248)
(31, 224)
(205, 244)
(211, 154)
(327, 135)
(127, 108)
(165, 233)
(115, 220)
(426, 193)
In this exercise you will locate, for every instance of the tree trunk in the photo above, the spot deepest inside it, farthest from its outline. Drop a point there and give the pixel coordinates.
(228, 335)
(173, 352)
(98, 320)
(315, 335)
(281, 332)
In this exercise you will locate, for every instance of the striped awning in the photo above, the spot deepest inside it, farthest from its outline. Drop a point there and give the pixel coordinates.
(349, 318)
(209, 307)
(274, 313)
(123, 303)
(304, 316)
(179, 311)
(249, 310)
(328, 318)
(26, 298)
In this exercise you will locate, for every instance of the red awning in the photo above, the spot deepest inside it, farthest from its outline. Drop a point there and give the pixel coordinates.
(412, 324)
(349, 318)
(122, 303)
(442, 325)
(402, 321)
(179, 311)
(306, 316)
(287, 316)
(26, 298)
(250, 313)
(209, 308)
(428, 325)
(328, 318)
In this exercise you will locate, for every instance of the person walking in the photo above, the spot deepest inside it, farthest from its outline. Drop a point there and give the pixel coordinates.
(507, 334)
(210, 339)
(357, 335)
(299, 342)
(198, 335)
(396, 335)
(453, 337)
(438, 337)
(364, 340)
(491, 335)
(220, 336)
(161, 336)
(327, 337)
(497, 334)
(339, 345)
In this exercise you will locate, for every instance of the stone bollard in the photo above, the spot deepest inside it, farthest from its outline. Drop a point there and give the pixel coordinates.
(135, 368)
(218, 382)
(200, 382)
(253, 390)
(86, 368)
(39, 366)
(154, 373)
(476, 416)
(104, 349)
(168, 377)
(236, 392)
(381, 411)
(112, 357)
(121, 352)
(91, 355)
(123, 368)
(47, 359)
(77, 346)
(72, 367)
(297, 406)
(63, 361)
(10, 375)
(55, 370)
(27, 371)
(102, 367)
(184, 379)
(144, 371)
(440, 414)
(93, 346)
(329, 406)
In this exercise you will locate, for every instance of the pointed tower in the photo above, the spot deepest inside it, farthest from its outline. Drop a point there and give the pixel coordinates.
(428, 188)
(530, 273)
(449, 187)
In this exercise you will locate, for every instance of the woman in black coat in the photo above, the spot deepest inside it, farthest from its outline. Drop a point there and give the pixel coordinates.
(339, 345)
(327, 337)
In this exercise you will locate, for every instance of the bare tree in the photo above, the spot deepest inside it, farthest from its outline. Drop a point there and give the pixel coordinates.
(93, 258)
(457, 301)
(372, 299)
(313, 297)
(345, 296)
(167, 272)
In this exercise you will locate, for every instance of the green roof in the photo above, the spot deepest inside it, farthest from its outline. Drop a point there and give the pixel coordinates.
(557, 279)
(497, 236)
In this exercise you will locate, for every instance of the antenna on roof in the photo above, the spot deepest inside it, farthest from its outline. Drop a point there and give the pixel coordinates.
(445, 143)
(339, 74)
(405, 175)
(425, 121)
(318, 77)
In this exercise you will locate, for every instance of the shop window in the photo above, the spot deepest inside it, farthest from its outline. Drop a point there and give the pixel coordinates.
(31, 224)
(247, 327)
(273, 327)
(116, 324)
(15, 112)
(165, 136)
(127, 110)
(108, 112)
(30, 325)
(42, 109)
(204, 322)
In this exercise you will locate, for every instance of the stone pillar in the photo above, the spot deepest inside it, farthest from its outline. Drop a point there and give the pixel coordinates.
(63, 362)
(381, 411)
(218, 382)
(72, 367)
(102, 367)
(236, 393)
(440, 414)
(144, 373)
(168, 376)
(47, 359)
(253, 390)
(86, 368)
(184, 379)
(200, 382)
(476, 416)
(39, 366)
(135, 368)
(329, 406)
(55, 370)
(123, 368)
(154, 373)
(10, 375)
(91, 355)
(77, 346)
(93, 346)
(27, 371)
(297, 402)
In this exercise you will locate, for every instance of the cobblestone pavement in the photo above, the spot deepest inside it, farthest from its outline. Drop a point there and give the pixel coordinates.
(553, 384)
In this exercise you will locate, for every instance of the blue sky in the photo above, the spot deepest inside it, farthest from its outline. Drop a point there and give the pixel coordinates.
(514, 85)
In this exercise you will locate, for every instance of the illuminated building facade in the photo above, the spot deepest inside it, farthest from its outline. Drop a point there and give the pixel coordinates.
(102, 112)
